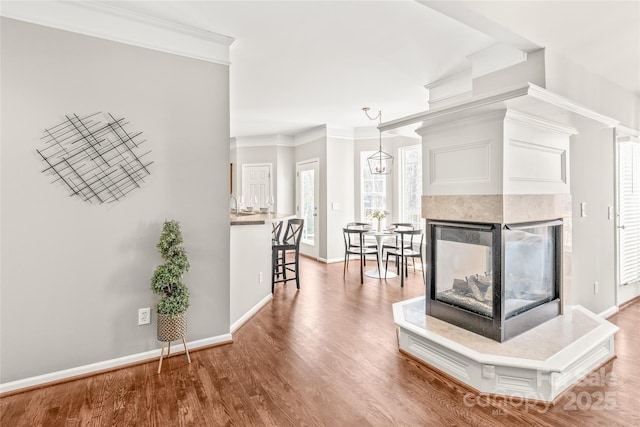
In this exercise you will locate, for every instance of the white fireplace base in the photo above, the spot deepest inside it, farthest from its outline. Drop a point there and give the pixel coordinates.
(536, 365)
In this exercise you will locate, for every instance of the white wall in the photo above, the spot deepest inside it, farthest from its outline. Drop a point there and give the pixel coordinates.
(74, 274)
(340, 190)
(250, 260)
(593, 245)
(285, 180)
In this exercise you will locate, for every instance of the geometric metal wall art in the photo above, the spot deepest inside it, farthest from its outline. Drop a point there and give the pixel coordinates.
(96, 161)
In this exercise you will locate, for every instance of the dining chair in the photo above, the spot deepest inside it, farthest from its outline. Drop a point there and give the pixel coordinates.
(405, 251)
(356, 235)
(279, 251)
(356, 244)
(395, 244)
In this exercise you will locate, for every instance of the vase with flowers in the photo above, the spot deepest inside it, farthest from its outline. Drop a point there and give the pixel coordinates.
(378, 216)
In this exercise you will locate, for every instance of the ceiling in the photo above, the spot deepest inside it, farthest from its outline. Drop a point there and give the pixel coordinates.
(296, 65)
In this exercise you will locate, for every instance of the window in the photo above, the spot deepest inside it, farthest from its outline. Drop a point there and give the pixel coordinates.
(373, 188)
(629, 212)
(410, 172)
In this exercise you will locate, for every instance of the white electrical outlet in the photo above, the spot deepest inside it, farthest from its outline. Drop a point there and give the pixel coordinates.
(144, 316)
(260, 277)
(595, 288)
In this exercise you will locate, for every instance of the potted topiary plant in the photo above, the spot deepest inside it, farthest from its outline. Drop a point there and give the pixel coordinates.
(167, 282)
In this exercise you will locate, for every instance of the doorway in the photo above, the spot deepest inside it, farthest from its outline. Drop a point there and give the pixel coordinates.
(307, 200)
(256, 184)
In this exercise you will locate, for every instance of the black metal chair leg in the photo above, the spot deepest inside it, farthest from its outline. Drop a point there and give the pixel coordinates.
(297, 271)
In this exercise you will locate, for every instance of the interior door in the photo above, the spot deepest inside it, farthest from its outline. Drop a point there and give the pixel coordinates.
(307, 200)
(256, 182)
(628, 218)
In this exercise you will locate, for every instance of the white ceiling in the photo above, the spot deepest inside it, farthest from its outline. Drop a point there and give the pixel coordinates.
(603, 36)
(300, 64)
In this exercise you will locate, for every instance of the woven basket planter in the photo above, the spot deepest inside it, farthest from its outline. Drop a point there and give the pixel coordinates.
(172, 329)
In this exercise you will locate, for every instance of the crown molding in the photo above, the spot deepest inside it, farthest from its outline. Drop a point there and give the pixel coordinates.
(449, 86)
(340, 133)
(262, 141)
(624, 134)
(525, 98)
(311, 135)
(110, 22)
(537, 122)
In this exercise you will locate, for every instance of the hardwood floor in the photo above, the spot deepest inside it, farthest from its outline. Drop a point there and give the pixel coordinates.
(300, 362)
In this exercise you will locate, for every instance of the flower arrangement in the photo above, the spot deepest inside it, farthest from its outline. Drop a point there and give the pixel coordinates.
(379, 215)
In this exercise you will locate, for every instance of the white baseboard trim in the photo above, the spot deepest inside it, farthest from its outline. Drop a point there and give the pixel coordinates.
(249, 314)
(104, 365)
(608, 312)
(331, 260)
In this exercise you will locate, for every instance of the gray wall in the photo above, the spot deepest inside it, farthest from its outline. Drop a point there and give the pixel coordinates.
(74, 274)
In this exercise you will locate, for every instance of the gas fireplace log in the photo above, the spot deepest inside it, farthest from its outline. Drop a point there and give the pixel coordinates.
(481, 290)
(475, 290)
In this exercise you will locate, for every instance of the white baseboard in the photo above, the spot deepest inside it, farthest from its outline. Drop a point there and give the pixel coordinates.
(331, 260)
(104, 365)
(608, 312)
(249, 314)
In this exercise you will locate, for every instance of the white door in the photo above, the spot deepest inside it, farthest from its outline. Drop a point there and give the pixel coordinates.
(256, 182)
(307, 200)
(628, 218)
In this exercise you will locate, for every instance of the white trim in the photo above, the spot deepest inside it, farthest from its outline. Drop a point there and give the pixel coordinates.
(107, 21)
(494, 58)
(252, 312)
(624, 134)
(537, 122)
(311, 135)
(104, 365)
(262, 141)
(449, 86)
(535, 95)
(330, 260)
(340, 133)
(609, 312)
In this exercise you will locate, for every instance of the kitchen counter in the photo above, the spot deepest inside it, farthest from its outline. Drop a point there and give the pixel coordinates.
(258, 218)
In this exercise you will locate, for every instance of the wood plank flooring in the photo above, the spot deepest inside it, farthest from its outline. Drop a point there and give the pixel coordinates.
(300, 362)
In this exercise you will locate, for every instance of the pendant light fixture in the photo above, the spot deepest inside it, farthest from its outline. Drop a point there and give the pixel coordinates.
(379, 162)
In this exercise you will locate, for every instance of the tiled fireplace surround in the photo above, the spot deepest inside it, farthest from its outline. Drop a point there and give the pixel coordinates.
(504, 159)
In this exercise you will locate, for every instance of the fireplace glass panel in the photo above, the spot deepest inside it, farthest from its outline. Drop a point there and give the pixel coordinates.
(528, 268)
(464, 269)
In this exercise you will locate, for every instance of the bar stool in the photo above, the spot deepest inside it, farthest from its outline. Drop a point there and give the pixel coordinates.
(290, 242)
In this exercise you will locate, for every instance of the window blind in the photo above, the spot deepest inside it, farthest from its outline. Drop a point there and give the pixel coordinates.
(629, 211)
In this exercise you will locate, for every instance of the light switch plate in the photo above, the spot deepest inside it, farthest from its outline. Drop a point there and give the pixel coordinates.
(583, 209)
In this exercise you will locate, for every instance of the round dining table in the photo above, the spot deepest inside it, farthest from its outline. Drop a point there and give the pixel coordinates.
(379, 272)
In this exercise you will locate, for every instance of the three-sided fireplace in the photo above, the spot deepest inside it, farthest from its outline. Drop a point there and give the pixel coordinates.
(497, 280)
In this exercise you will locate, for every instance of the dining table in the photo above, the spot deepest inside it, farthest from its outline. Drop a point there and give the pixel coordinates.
(380, 272)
